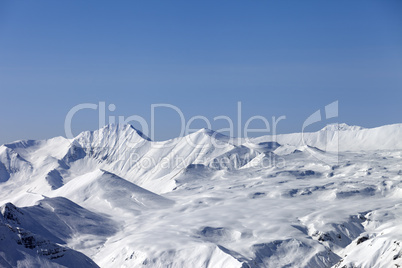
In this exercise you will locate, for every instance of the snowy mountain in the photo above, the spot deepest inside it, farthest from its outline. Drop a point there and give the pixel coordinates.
(341, 137)
(114, 198)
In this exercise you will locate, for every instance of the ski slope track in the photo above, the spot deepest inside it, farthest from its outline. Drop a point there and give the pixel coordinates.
(114, 198)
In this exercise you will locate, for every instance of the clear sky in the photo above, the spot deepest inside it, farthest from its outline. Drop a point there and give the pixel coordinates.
(276, 57)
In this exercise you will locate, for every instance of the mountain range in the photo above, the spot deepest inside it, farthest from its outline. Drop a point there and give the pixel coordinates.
(114, 198)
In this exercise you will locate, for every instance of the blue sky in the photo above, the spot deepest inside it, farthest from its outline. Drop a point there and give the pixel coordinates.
(276, 57)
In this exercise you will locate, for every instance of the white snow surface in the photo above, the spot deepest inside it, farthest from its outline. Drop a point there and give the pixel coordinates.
(114, 198)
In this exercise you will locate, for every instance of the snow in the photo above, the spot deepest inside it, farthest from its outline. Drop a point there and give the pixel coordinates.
(114, 198)
(348, 138)
(26, 242)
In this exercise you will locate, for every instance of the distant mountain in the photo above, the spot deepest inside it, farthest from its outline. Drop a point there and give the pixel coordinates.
(344, 138)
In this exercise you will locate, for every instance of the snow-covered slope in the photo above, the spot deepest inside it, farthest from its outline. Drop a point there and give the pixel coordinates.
(34, 236)
(341, 137)
(104, 189)
(114, 198)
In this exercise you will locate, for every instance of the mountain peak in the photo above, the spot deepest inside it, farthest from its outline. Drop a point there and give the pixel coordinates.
(10, 212)
(209, 132)
(341, 127)
(123, 128)
(206, 131)
(112, 133)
